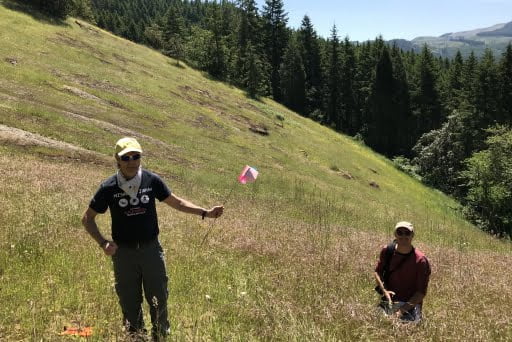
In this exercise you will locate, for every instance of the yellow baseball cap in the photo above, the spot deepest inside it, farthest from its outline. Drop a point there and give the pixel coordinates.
(125, 145)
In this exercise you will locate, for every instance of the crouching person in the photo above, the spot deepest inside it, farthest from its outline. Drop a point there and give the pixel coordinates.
(402, 275)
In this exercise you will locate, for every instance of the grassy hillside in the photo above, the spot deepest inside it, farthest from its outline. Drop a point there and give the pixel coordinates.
(291, 259)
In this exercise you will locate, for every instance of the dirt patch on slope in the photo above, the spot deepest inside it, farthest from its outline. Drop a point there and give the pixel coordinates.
(81, 93)
(19, 137)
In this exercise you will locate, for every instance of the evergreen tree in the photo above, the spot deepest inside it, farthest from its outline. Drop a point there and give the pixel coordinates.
(253, 80)
(469, 74)
(454, 83)
(402, 142)
(487, 92)
(349, 118)
(153, 36)
(248, 29)
(333, 91)
(59, 9)
(83, 9)
(293, 78)
(132, 31)
(275, 41)
(250, 70)
(173, 33)
(216, 48)
(505, 77)
(309, 46)
(363, 84)
(381, 124)
(428, 109)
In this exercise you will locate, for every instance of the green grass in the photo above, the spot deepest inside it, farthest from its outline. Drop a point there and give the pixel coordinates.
(291, 259)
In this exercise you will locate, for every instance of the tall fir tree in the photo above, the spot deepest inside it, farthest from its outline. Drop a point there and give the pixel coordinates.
(487, 92)
(381, 121)
(350, 114)
(428, 110)
(293, 77)
(505, 76)
(402, 142)
(364, 76)
(333, 91)
(311, 58)
(173, 33)
(83, 9)
(253, 81)
(217, 49)
(275, 41)
(469, 73)
(59, 9)
(248, 61)
(454, 84)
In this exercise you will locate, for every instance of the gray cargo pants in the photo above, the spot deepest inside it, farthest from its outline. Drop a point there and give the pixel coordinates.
(137, 267)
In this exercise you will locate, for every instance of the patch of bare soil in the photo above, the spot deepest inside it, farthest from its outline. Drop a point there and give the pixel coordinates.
(259, 129)
(86, 80)
(85, 95)
(81, 93)
(62, 38)
(86, 27)
(21, 137)
(168, 151)
(202, 98)
(116, 129)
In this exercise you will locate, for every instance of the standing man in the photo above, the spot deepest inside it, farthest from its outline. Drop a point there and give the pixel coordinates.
(402, 275)
(137, 256)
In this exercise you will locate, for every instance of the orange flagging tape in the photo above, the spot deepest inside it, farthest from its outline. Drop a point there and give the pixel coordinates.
(85, 331)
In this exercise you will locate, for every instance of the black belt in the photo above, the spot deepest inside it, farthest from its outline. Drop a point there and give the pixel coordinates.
(135, 244)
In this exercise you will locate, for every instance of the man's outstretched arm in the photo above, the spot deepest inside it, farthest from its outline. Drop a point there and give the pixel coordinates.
(189, 207)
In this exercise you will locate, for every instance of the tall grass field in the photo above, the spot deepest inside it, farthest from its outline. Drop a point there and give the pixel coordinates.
(293, 255)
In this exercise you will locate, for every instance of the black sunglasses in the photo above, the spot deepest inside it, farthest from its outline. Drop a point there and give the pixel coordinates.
(128, 158)
(403, 232)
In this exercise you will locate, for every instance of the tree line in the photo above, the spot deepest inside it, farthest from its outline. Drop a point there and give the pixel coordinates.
(445, 121)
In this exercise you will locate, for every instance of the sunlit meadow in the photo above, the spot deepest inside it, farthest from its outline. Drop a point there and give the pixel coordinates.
(291, 259)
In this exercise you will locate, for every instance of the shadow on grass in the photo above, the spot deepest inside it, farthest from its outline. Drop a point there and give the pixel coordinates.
(19, 6)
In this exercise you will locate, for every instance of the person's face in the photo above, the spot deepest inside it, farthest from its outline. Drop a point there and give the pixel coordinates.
(403, 235)
(129, 164)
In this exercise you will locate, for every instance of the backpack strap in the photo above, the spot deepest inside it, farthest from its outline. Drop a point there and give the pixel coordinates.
(390, 249)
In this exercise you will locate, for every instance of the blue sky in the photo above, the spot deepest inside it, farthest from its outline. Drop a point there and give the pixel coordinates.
(365, 19)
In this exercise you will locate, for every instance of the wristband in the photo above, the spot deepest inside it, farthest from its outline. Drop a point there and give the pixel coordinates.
(203, 214)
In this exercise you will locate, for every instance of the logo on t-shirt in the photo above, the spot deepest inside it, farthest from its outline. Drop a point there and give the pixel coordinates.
(134, 201)
(135, 211)
(144, 199)
(123, 202)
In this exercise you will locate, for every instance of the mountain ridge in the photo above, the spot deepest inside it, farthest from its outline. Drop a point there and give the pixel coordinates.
(495, 37)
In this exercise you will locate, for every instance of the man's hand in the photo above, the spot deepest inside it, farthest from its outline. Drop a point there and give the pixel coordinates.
(109, 248)
(215, 211)
(388, 295)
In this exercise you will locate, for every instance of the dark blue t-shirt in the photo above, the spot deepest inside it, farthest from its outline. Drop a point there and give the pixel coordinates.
(133, 220)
